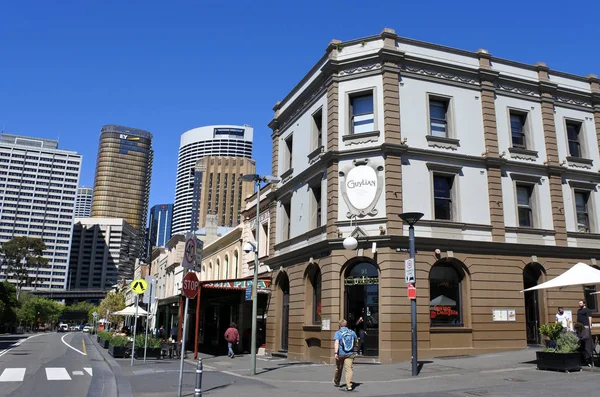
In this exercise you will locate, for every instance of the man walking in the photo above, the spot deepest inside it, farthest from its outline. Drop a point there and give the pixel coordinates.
(344, 342)
(232, 336)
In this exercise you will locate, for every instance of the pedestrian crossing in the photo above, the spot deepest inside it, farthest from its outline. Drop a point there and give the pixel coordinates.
(52, 373)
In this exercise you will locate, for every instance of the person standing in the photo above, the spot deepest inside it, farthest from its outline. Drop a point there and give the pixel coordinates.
(344, 342)
(561, 317)
(360, 327)
(584, 317)
(232, 336)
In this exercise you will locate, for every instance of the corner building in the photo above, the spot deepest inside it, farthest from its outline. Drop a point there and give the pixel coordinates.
(501, 158)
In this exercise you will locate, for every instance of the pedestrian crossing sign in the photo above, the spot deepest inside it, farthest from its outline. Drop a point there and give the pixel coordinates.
(139, 286)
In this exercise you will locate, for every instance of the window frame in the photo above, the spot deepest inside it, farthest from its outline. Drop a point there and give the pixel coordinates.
(580, 137)
(587, 197)
(316, 205)
(449, 199)
(589, 189)
(588, 293)
(286, 208)
(461, 295)
(370, 91)
(449, 120)
(533, 181)
(530, 206)
(288, 144)
(316, 131)
(525, 131)
(316, 282)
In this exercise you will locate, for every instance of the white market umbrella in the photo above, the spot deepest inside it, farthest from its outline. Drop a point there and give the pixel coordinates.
(130, 311)
(579, 274)
(442, 300)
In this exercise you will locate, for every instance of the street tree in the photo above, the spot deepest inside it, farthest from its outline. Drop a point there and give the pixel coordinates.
(8, 303)
(20, 255)
(39, 310)
(113, 302)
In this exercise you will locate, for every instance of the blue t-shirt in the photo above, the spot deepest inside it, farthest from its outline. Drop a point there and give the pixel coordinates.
(338, 337)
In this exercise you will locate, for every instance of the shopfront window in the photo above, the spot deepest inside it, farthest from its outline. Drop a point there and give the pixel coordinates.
(445, 296)
(316, 284)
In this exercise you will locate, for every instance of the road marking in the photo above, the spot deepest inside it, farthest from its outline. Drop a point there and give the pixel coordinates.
(88, 370)
(13, 375)
(71, 347)
(83, 344)
(78, 373)
(18, 343)
(57, 374)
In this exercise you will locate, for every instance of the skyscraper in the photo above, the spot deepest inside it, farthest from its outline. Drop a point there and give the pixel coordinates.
(123, 172)
(38, 184)
(159, 225)
(83, 202)
(215, 140)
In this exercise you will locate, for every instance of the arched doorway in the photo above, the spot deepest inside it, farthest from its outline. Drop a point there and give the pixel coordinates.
(532, 274)
(361, 290)
(283, 284)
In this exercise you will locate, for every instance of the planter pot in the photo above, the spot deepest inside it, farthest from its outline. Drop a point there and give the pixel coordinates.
(104, 343)
(151, 352)
(558, 361)
(98, 338)
(117, 351)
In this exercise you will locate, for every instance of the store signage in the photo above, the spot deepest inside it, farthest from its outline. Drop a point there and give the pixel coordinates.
(444, 311)
(361, 186)
(364, 280)
(263, 285)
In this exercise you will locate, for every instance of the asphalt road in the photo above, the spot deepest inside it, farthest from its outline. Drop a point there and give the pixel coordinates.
(52, 365)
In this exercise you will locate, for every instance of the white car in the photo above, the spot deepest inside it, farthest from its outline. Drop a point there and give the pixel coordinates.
(63, 328)
(87, 328)
(73, 328)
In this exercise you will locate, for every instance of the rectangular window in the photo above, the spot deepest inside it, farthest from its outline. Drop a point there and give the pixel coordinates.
(362, 118)
(317, 130)
(524, 204)
(442, 194)
(591, 299)
(581, 208)
(573, 130)
(315, 220)
(287, 221)
(518, 129)
(438, 116)
(289, 150)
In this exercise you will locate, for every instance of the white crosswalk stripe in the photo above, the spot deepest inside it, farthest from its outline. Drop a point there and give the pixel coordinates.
(52, 373)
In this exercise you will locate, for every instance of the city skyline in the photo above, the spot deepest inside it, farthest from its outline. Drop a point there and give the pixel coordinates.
(120, 93)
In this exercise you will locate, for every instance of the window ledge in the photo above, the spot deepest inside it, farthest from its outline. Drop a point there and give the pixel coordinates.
(442, 142)
(311, 327)
(453, 225)
(361, 138)
(286, 176)
(529, 230)
(450, 330)
(523, 154)
(315, 154)
(595, 236)
(580, 162)
(303, 237)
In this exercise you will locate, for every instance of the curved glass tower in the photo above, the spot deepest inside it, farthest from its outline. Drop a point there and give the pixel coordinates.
(123, 172)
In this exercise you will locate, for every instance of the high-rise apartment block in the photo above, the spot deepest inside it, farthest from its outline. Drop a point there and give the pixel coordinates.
(159, 225)
(216, 141)
(219, 191)
(38, 185)
(83, 202)
(104, 251)
(123, 173)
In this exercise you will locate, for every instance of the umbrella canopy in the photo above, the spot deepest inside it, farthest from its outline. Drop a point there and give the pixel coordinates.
(579, 274)
(130, 311)
(442, 300)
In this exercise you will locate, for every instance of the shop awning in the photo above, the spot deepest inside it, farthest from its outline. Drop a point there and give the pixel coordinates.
(239, 285)
(579, 274)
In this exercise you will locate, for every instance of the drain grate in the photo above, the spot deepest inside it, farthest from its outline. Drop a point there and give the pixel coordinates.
(477, 393)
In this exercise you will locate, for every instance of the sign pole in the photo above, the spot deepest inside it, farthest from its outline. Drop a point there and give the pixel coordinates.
(134, 327)
(147, 319)
(185, 318)
(413, 306)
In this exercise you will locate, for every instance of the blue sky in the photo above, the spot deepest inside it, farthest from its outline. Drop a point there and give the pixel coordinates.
(69, 67)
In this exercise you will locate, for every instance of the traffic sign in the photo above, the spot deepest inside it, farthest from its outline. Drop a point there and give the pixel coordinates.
(94, 314)
(412, 292)
(248, 292)
(190, 253)
(409, 271)
(150, 293)
(190, 285)
(139, 286)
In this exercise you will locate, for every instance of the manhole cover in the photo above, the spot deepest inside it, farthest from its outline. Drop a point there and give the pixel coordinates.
(477, 393)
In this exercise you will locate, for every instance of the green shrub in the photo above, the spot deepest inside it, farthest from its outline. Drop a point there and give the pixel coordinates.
(105, 335)
(552, 330)
(567, 343)
(119, 341)
(140, 341)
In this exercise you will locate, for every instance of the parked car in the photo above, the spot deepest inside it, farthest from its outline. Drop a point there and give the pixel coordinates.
(62, 328)
(87, 328)
(73, 328)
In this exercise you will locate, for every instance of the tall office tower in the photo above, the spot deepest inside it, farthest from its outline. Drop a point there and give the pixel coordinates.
(103, 252)
(215, 140)
(38, 184)
(123, 172)
(159, 225)
(83, 202)
(219, 191)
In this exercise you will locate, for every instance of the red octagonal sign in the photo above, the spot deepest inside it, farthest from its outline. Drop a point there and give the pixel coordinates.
(190, 285)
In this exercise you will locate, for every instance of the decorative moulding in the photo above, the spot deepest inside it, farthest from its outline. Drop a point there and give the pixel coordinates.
(573, 101)
(362, 138)
(582, 185)
(529, 230)
(360, 69)
(286, 176)
(315, 155)
(517, 90)
(523, 154)
(444, 168)
(361, 186)
(439, 74)
(442, 142)
(525, 178)
(580, 162)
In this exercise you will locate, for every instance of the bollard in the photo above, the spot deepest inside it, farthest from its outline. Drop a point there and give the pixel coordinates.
(198, 388)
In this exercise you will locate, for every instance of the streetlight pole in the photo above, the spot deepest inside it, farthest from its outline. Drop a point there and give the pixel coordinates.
(257, 179)
(411, 218)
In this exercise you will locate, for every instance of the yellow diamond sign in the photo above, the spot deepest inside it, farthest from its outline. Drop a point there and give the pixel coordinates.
(139, 286)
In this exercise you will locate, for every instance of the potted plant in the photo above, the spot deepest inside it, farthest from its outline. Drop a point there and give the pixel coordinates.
(118, 346)
(104, 338)
(153, 347)
(561, 353)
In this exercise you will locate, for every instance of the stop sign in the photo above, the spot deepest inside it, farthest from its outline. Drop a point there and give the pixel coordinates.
(190, 285)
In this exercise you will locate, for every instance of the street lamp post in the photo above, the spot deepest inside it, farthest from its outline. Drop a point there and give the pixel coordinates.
(257, 179)
(411, 218)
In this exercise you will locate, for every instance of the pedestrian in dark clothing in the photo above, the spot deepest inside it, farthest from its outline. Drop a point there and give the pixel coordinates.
(584, 318)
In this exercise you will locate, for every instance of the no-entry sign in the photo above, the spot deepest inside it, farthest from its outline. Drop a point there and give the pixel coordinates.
(190, 285)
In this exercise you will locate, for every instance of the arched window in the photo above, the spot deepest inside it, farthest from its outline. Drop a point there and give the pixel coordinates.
(235, 264)
(226, 266)
(316, 298)
(445, 300)
(218, 269)
(210, 271)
